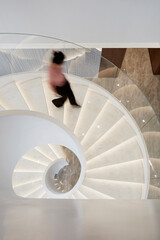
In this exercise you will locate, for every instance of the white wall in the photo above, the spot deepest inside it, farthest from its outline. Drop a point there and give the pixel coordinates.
(82, 21)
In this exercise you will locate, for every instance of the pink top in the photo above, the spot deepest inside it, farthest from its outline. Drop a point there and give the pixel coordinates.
(56, 76)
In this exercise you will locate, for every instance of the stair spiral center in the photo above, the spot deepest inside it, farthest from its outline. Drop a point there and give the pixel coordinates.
(61, 177)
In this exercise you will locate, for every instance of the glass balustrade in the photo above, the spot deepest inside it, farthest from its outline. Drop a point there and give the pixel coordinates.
(21, 53)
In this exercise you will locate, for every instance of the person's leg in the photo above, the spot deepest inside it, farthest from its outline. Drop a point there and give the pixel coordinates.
(60, 101)
(62, 91)
(70, 95)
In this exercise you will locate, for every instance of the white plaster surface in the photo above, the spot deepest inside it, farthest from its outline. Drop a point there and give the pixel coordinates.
(85, 21)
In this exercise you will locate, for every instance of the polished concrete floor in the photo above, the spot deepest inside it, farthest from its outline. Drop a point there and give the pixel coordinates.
(80, 220)
(137, 65)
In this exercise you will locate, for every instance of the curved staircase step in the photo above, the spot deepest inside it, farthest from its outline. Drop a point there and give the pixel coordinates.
(89, 112)
(126, 172)
(115, 189)
(71, 113)
(11, 98)
(121, 153)
(49, 96)
(106, 118)
(33, 93)
(120, 132)
(92, 193)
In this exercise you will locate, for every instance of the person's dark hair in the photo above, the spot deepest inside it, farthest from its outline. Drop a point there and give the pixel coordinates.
(58, 57)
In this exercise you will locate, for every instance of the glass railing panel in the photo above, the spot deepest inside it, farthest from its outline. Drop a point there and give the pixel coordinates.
(28, 53)
(151, 125)
(85, 65)
(107, 75)
(22, 53)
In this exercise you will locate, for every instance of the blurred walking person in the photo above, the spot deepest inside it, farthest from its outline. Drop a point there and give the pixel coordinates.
(58, 82)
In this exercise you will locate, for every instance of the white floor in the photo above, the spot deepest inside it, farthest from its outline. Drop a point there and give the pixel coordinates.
(80, 220)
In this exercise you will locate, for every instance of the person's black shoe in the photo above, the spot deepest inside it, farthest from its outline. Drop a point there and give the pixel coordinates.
(57, 102)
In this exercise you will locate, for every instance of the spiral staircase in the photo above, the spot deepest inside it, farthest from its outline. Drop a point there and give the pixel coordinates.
(119, 133)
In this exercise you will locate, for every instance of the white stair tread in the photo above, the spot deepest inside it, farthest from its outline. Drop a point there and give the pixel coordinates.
(40, 193)
(11, 98)
(124, 152)
(20, 184)
(35, 193)
(6, 79)
(71, 197)
(92, 193)
(23, 170)
(128, 172)
(55, 112)
(37, 156)
(33, 93)
(71, 113)
(24, 177)
(118, 190)
(44, 195)
(25, 165)
(58, 150)
(119, 133)
(47, 152)
(26, 188)
(89, 112)
(108, 116)
(79, 195)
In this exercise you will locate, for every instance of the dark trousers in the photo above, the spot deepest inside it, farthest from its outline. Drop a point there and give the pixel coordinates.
(65, 92)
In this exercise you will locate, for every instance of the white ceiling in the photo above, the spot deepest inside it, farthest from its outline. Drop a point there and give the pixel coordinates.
(108, 22)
